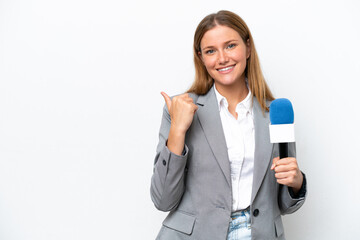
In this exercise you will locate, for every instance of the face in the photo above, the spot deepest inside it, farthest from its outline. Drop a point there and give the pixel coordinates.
(224, 55)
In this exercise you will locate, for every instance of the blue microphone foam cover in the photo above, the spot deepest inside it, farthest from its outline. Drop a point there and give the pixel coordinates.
(281, 112)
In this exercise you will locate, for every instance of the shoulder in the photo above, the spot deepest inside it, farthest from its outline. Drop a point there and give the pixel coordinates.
(258, 104)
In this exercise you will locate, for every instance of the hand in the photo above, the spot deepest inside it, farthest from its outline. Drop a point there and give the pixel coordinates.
(287, 172)
(182, 110)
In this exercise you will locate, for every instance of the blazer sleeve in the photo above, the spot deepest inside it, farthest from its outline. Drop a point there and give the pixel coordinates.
(167, 181)
(288, 203)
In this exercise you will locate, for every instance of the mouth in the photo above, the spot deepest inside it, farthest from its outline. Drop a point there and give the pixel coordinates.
(226, 69)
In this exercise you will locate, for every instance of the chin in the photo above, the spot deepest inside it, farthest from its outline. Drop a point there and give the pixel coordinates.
(226, 81)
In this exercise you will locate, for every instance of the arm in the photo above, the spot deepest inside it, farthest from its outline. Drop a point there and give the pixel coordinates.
(290, 202)
(167, 182)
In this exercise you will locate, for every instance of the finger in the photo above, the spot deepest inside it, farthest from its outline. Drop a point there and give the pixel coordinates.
(282, 175)
(283, 181)
(274, 163)
(183, 96)
(189, 100)
(285, 168)
(186, 96)
(286, 164)
(167, 100)
(288, 181)
(285, 161)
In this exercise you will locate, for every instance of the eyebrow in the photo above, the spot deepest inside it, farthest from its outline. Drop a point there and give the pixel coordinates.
(227, 42)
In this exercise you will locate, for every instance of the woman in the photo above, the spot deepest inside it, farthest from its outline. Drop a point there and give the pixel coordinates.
(215, 169)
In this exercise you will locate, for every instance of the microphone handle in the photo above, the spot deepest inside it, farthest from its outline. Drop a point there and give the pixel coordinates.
(283, 150)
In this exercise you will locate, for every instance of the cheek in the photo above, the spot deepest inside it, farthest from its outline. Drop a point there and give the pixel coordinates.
(240, 56)
(210, 67)
(209, 64)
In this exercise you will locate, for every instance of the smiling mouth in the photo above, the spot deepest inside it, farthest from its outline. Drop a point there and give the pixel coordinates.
(225, 68)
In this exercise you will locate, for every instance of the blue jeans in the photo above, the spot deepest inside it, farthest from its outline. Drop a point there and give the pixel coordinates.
(240, 226)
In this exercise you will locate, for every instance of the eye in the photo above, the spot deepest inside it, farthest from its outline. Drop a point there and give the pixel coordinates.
(231, 45)
(211, 51)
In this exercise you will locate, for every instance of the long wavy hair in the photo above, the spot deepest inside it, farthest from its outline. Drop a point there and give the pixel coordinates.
(203, 81)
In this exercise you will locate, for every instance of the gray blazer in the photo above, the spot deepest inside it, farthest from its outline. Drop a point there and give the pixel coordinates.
(196, 187)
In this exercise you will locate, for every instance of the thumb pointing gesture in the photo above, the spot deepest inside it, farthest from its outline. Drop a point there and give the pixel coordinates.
(181, 110)
(167, 100)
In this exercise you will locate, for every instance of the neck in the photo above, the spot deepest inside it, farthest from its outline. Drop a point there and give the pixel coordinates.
(234, 93)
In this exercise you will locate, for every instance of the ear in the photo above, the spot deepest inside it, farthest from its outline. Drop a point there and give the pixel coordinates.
(200, 56)
(248, 48)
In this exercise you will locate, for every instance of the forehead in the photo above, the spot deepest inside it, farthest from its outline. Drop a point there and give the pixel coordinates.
(218, 35)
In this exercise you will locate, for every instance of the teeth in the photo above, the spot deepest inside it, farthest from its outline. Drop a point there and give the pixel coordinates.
(225, 69)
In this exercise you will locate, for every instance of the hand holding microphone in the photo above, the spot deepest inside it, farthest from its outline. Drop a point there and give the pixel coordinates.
(286, 169)
(287, 172)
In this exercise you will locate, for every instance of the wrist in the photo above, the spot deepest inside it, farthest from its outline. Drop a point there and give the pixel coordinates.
(177, 131)
(299, 183)
(176, 141)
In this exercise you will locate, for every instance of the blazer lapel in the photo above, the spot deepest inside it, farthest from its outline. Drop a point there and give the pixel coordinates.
(210, 121)
(263, 147)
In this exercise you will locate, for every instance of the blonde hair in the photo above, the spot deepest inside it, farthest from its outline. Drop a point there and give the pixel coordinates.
(203, 81)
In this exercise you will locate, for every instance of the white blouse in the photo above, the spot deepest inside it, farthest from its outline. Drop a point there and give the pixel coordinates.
(240, 140)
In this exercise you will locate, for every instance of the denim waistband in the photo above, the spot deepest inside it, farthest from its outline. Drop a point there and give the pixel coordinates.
(241, 212)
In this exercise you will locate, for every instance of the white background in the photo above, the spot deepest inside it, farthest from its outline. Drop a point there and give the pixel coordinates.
(80, 109)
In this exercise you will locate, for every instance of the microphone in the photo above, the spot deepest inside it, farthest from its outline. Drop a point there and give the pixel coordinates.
(282, 125)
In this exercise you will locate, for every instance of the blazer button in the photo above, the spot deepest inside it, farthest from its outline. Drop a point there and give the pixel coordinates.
(256, 212)
(164, 162)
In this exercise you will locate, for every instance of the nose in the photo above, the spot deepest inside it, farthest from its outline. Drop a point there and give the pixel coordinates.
(222, 57)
